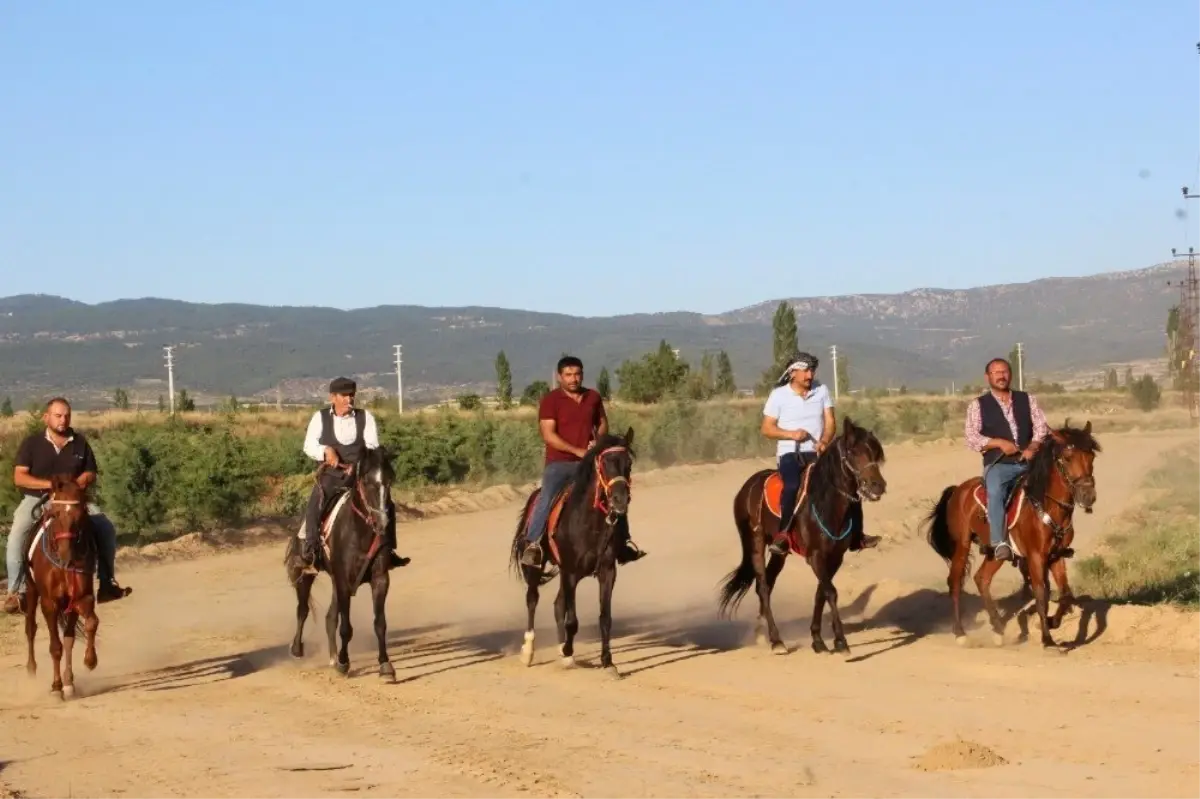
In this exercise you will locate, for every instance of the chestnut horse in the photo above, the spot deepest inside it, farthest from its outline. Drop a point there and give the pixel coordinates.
(59, 567)
(828, 517)
(583, 529)
(1039, 520)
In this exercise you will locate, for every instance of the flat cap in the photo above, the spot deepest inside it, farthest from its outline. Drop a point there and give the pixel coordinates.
(342, 385)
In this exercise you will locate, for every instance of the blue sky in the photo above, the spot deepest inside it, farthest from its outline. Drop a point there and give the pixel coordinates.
(588, 158)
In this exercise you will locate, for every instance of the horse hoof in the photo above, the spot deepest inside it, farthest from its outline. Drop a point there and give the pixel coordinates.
(56, 694)
(960, 639)
(567, 661)
(342, 668)
(68, 692)
(779, 648)
(841, 647)
(819, 647)
(386, 672)
(612, 672)
(297, 651)
(998, 639)
(527, 655)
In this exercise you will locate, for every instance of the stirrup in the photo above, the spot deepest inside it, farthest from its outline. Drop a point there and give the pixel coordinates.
(526, 556)
(780, 546)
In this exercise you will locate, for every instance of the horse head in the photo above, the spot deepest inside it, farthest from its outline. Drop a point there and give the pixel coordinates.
(862, 456)
(1074, 451)
(374, 476)
(65, 514)
(612, 459)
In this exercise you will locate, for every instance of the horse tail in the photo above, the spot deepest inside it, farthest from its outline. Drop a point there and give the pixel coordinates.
(938, 523)
(738, 581)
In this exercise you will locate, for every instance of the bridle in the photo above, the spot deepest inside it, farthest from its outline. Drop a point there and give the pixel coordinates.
(602, 497)
(856, 474)
(1060, 530)
(46, 516)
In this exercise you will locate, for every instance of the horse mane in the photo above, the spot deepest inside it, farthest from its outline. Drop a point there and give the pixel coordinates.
(585, 470)
(1041, 468)
(828, 470)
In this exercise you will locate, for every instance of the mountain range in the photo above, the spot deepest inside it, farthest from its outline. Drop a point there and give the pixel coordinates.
(921, 338)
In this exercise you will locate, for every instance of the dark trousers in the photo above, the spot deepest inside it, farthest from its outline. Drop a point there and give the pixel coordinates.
(791, 469)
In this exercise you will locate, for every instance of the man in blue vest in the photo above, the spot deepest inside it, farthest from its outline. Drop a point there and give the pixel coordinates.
(338, 436)
(1007, 427)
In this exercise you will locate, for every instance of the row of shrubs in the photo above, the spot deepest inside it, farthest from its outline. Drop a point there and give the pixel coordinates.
(159, 478)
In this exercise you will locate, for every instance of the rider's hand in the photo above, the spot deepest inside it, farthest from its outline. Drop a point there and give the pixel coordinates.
(821, 447)
(331, 457)
(1028, 453)
(1007, 447)
(800, 435)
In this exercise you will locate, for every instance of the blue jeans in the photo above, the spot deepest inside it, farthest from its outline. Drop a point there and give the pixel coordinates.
(18, 542)
(999, 479)
(555, 476)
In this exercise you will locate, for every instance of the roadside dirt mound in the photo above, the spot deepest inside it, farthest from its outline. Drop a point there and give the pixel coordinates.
(953, 755)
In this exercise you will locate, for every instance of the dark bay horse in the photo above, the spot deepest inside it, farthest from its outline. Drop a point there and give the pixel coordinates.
(828, 512)
(356, 554)
(1039, 519)
(59, 573)
(581, 533)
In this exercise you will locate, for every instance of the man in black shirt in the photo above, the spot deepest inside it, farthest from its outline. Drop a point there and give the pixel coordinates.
(56, 450)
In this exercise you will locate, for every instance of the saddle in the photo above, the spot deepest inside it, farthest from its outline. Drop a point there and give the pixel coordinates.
(556, 509)
(330, 510)
(1014, 502)
(773, 497)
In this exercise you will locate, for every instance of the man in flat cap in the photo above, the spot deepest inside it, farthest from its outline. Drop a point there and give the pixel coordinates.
(337, 436)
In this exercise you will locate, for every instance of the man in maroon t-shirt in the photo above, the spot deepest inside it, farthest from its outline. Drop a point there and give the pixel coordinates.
(570, 419)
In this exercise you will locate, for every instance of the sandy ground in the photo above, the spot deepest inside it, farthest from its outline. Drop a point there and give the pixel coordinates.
(195, 694)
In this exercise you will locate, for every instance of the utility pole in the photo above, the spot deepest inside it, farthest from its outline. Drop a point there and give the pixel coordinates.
(399, 379)
(1188, 348)
(1020, 366)
(171, 376)
(833, 356)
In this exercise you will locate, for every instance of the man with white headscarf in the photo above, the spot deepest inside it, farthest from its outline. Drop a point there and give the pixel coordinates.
(799, 415)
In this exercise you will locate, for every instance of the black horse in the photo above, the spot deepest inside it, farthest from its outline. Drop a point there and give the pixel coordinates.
(582, 532)
(358, 554)
(822, 530)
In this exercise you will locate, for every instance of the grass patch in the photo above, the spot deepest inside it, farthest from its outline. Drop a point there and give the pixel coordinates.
(1154, 552)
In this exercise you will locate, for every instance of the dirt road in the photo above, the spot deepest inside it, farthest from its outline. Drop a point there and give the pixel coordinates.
(195, 694)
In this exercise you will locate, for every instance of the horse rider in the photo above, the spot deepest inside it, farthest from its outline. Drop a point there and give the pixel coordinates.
(1007, 427)
(337, 436)
(570, 419)
(58, 449)
(799, 415)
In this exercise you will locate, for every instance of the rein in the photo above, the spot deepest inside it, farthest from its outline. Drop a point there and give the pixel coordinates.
(602, 496)
(1059, 531)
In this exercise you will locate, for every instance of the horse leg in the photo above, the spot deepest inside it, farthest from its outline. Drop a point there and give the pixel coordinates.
(958, 573)
(774, 566)
(764, 596)
(50, 611)
(379, 592)
(91, 625)
(346, 630)
(31, 608)
(832, 564)
(532, 578)
(607, 577)
(1039, 579)
(303, 601)
(1066, 599)
(570, 621)
(983, 581)
(70, 619)
(818, 643)
(331, 622)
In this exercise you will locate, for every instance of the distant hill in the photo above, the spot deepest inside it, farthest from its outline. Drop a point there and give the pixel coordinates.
(924, 337)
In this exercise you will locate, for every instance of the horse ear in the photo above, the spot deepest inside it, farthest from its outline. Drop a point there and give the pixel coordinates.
(849, 428)
(629, 436)
(1057, 436)
(1087, 428)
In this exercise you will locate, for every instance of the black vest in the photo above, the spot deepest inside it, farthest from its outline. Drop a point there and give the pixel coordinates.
(993, 425)
(348, 453)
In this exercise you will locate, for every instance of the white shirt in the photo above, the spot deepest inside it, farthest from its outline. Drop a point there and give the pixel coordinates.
(794, 411)
(343, 430)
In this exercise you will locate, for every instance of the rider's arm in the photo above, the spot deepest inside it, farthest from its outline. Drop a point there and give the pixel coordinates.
(370, 431)
(974, 439)
(21, 476)
(312, 439)
(550, 436)
(90, 468)
(601, 421)
(770, 423)
(1041, 428)
(830, 427)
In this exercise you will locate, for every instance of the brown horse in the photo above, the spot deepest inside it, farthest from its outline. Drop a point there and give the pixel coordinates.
(1039, 520)
(59, 567)
(828, 518)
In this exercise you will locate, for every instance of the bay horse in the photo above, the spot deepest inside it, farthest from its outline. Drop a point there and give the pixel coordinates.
(60, 564)
(828, 517)
(582, 535)
(353, 532)
(1039, 516)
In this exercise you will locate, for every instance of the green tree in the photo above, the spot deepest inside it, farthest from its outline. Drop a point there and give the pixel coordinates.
(1128, 377)
(784, 338)
(162, 404)
(503, 380)
(654, 376)
(726, 385)
(120, 399)
(6, 408)
(1110, 380)
(533, 393)
(1145, 392)
(183, 402)
(603, 384)
(843, 375)
(470, 402)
